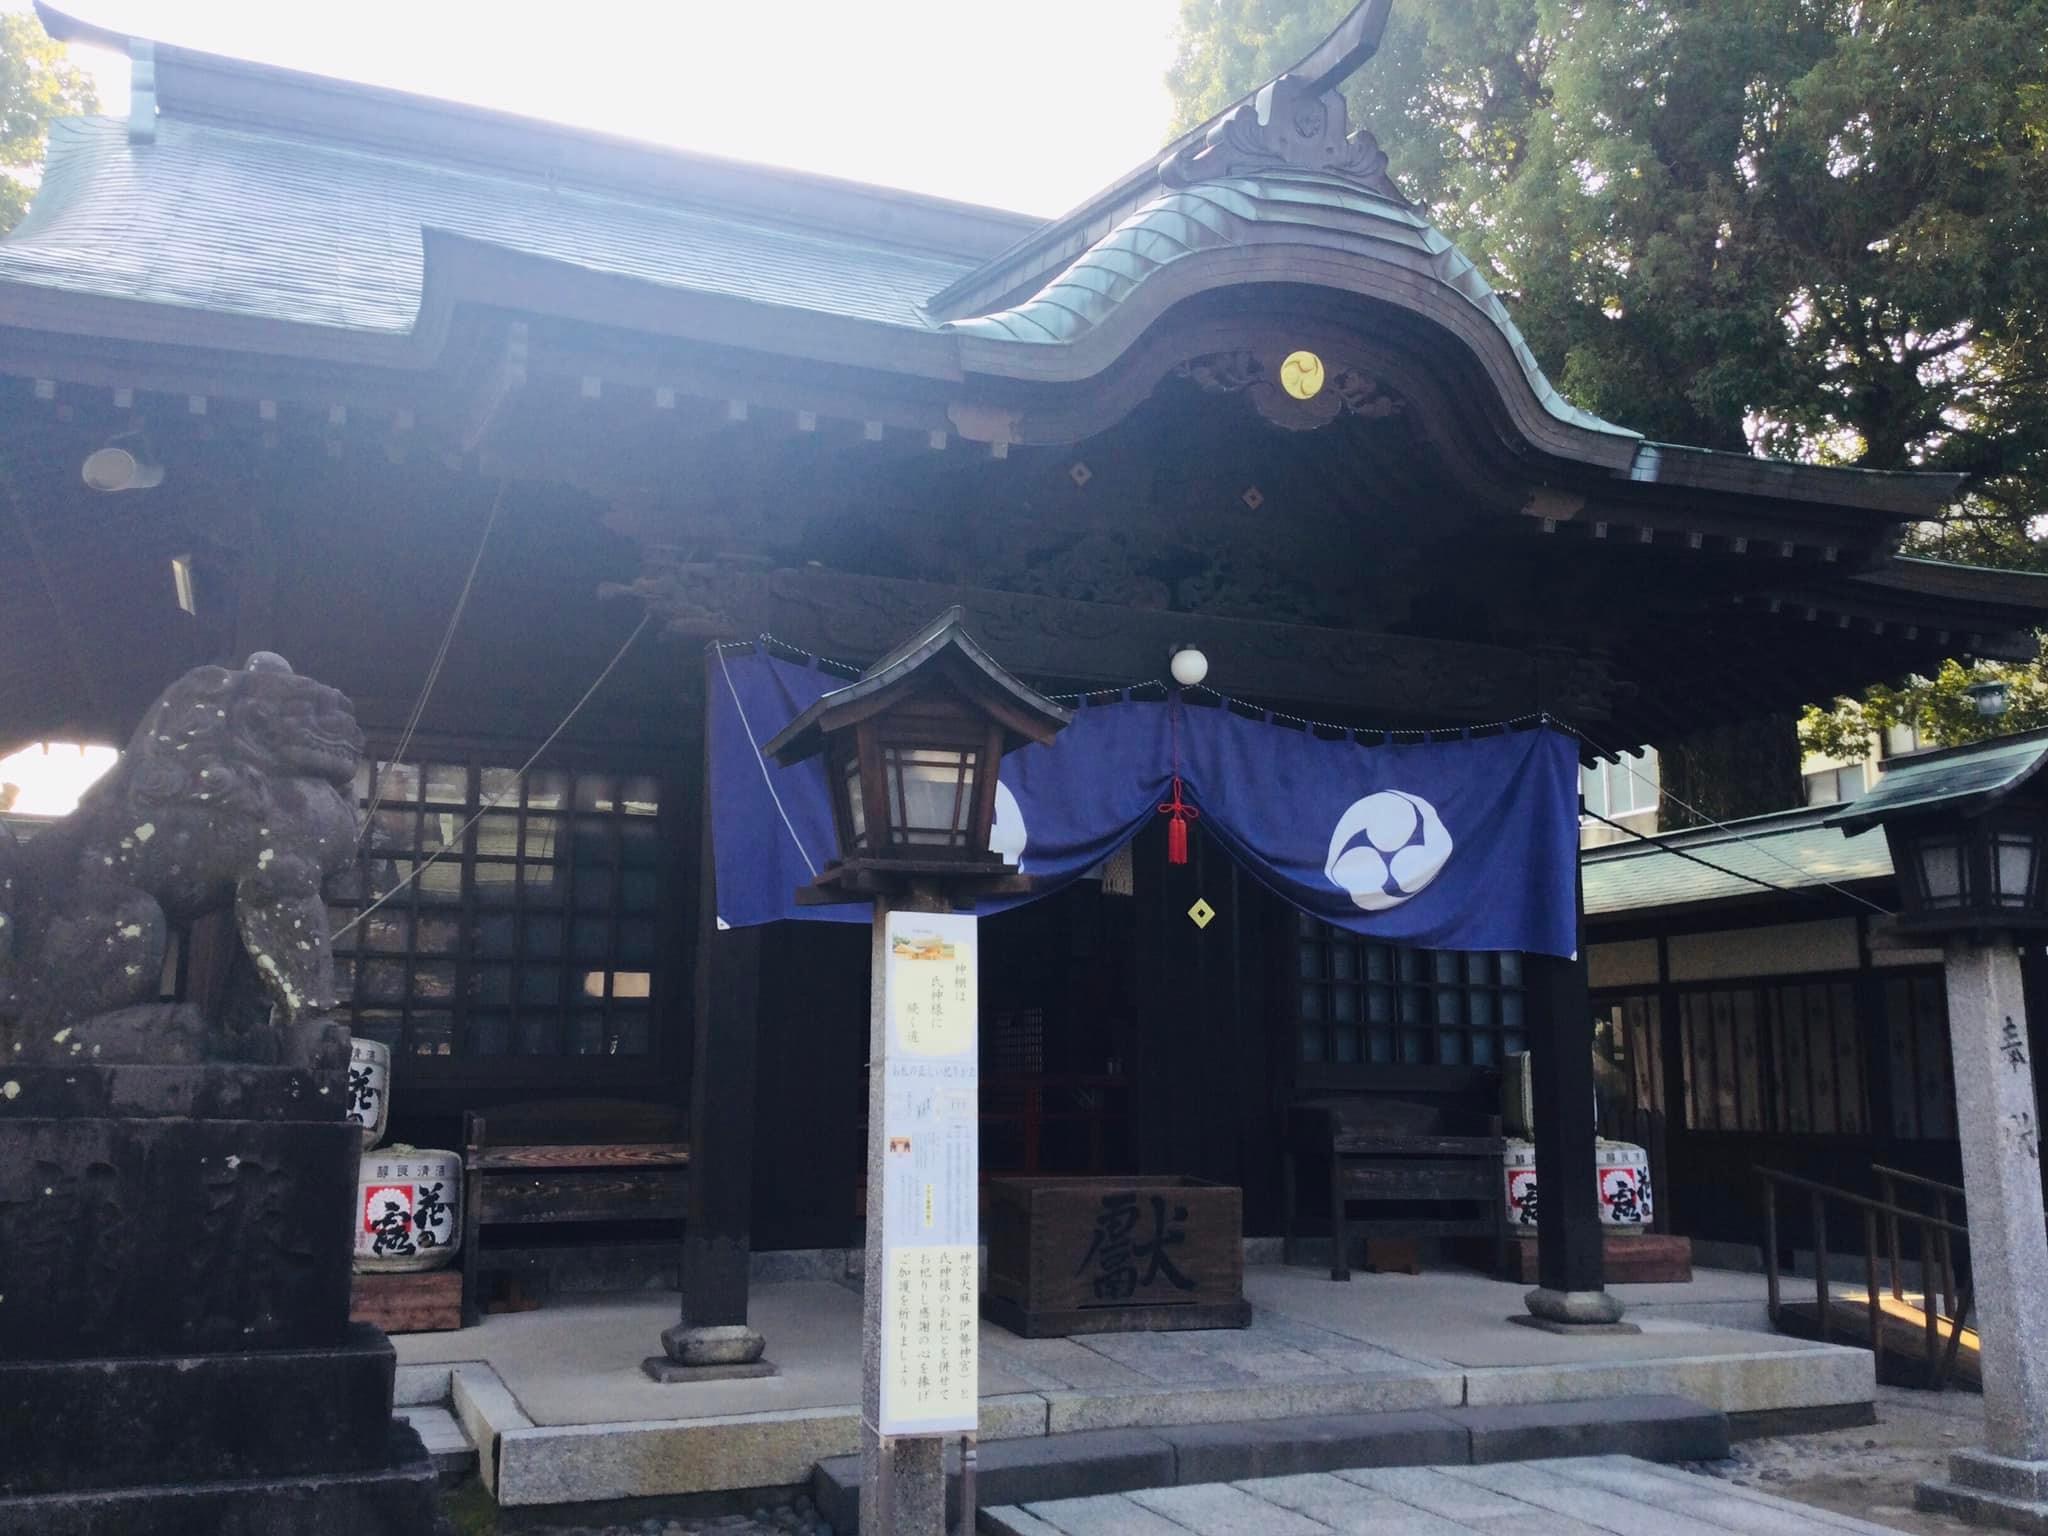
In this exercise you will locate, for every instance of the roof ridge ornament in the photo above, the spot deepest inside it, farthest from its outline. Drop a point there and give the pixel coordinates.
(1294, 123)
(141, 91)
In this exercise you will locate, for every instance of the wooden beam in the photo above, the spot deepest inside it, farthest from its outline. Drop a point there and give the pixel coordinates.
(1393, 679)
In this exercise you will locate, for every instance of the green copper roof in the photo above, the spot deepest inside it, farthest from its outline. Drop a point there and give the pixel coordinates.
(276, 226)
(1186, 222)
(1794, 850)
(1963, 779)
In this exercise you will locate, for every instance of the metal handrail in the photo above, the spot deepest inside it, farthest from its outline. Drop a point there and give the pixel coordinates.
(1936, 1231)
(1920, 1179)
(1888, 1180)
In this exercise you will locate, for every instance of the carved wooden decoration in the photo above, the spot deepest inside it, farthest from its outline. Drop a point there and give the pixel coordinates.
(1257, 376)
(1294, 124)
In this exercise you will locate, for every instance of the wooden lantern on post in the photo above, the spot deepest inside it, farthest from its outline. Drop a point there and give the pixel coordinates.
(1968, 833)
(911, 750)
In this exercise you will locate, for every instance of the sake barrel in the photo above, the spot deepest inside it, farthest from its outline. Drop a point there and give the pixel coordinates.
(408, 1209)
(1621, 1172)
(1518, 1167)
(1623, 1169)
(369, 1088)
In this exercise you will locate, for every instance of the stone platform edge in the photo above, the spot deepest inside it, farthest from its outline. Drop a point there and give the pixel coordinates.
(523, 1463)
(1093, 1463)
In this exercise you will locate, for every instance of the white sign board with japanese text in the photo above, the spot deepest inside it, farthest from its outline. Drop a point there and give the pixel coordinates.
(930, 1215)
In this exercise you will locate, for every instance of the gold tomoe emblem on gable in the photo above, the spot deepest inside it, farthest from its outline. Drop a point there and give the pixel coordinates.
(1301, 375)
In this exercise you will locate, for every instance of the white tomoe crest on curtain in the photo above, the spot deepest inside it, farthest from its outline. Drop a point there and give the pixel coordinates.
(1009, 834)
(1386, 847)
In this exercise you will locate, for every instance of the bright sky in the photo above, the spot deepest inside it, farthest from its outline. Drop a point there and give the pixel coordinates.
(48, 778)
(1029, 106)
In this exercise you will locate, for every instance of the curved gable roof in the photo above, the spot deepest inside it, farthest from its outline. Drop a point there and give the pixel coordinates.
(1385, 239)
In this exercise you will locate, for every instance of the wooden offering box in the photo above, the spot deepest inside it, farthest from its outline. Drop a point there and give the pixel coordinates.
(1105, 1255)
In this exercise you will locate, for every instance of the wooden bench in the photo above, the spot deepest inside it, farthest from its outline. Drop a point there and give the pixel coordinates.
(1442, 1166)
(570, 1160)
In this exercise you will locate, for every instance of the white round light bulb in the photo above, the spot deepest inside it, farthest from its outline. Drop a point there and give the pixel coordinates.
(110, 469)
(1189, 666)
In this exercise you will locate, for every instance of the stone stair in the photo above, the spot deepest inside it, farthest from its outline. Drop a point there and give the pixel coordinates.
(1111, 1461)
(446, 1441)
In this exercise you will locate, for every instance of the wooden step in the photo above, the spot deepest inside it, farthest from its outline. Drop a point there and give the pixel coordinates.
(429, 1301)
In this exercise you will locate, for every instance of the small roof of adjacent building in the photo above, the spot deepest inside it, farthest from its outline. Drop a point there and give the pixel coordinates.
(1796, 850)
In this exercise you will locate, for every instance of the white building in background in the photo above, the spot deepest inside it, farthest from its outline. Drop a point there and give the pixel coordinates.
(1625, 790)
(1830, 780)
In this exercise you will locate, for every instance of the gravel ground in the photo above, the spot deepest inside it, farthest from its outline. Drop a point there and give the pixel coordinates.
(1867, 1472)
(473, 1514)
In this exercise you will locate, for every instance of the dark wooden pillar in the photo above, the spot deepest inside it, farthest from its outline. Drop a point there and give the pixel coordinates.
(712, 1335)
(1568, 1240)
(718, 1240)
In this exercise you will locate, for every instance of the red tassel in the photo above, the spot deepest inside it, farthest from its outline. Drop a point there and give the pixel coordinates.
(1178, 814)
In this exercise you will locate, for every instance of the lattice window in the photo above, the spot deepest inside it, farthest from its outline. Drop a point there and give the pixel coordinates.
(1917, 1051)
(1360, 1001)
(1784, 1057)
(533, 933)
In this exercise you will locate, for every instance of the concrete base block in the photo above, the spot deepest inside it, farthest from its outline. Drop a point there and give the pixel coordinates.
(1229, 1453)
(1769, 1379)
(580, 1463)
(1653, 1428)
(1980, 1506)
(2002, 1475)
(1211, 1405)
(666, 1371)
(396, 1499)
(1771, 1423)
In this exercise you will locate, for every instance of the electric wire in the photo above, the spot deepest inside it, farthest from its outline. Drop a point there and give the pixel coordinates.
(493, 803)
(1668, 847)
(1722, 826)
(433, 676)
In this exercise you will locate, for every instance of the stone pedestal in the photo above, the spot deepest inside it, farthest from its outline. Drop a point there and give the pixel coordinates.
(1999, 1124)
(175, 1349)
(1572, 1312)
(1990, 1490)
(727, 1352)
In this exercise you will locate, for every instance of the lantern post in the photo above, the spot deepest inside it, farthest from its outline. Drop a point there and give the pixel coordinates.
(911, 750)
(1968, 832)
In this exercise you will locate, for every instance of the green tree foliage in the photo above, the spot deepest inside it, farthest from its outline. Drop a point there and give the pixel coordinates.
(1808, 228)
(37, 84)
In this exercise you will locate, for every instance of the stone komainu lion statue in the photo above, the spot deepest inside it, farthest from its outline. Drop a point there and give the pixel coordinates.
(235, 791)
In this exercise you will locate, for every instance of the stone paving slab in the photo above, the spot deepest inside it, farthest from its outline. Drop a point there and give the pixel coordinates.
(1221, 1509)
(534, 1389)
(1586, 1496)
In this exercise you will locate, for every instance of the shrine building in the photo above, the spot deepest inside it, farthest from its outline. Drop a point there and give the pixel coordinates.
(373, 358)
